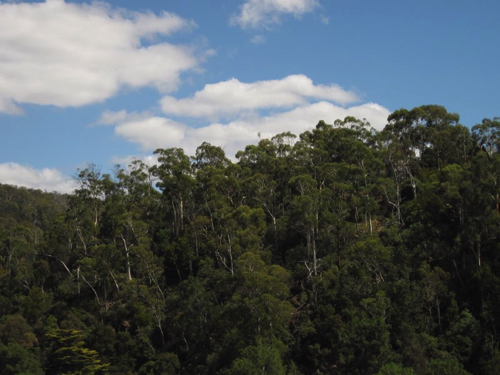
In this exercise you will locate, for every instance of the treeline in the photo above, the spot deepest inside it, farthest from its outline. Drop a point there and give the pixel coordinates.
(341, 251)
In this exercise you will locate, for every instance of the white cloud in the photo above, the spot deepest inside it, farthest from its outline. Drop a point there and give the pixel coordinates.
(264, 13)
(114, 118)
(44, 179)
(158, 132)
(109, 117)
(232, 97)
(67, 54)
(152, 133)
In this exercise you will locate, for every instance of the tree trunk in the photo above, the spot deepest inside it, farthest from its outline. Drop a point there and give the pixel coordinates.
(127, 250)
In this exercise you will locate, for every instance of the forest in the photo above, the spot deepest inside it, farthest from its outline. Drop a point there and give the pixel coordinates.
(342, 250)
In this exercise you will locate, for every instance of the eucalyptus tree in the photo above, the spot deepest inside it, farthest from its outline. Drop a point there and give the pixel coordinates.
(487, 135)
(177, 183)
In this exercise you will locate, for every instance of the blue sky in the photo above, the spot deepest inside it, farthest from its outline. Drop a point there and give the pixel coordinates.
(104, 82)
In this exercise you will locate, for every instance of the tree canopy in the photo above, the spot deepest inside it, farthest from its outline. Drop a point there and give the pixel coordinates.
(341, 250)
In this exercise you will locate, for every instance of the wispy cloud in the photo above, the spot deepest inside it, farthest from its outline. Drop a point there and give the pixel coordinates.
(258, 39)
(234, 97)
(265, 13)
(44, 179)
(67, 54)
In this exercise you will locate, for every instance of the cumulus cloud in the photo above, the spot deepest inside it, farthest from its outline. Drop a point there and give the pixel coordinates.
(67, 54)
(152, 133)
(159, 132)
(43, 179)
(233, 97)
(264, 13)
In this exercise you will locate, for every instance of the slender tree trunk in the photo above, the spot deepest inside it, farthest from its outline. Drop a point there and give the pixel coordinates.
(181, 214)
(127, 251)
(158, 324)
(91, 287)
(114, 279)
(370, 221)
(230, 249)
(78, 279)
(313, 245)
(78, 230)
(176, 219)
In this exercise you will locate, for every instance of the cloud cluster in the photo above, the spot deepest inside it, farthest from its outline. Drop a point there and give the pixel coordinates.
(151, 132)
(234, 97)
(44, 179)
(265, 13)
(67, 54)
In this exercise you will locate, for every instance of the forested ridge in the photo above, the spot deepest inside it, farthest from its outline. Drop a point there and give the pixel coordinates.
(339, 251)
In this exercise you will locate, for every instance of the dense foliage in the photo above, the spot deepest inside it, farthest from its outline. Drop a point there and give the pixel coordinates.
(342, 251)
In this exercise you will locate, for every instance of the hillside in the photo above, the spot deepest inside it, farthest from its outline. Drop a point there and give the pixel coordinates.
(342, 250)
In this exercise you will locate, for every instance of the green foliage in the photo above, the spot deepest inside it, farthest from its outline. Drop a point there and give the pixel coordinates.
(395, 369)
(15, 329)
(164, 364)
(67, 354)
(17, 360)
(255, 360)
(446, 366)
